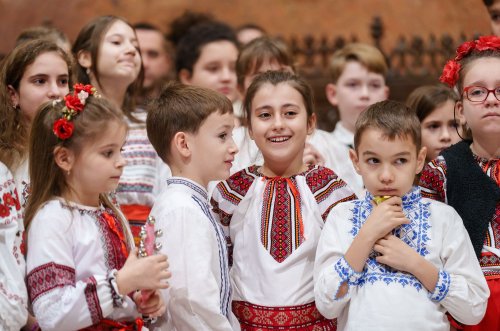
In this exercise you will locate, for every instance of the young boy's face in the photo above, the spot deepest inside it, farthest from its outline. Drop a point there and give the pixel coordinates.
(356, 90)
(215, 69)
(265, 66)
(213, 148)
(388, 167)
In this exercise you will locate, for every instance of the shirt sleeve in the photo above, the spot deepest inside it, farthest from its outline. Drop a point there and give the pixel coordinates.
(331, 269)
(60, 302)
(433, 180)
(13, 296)
(461, 288)
(193, 298)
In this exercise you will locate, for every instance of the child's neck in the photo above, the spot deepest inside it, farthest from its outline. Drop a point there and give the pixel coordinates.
(176, 172)
(282, 170)
(487, 147)
(114, 91)
(81, 199)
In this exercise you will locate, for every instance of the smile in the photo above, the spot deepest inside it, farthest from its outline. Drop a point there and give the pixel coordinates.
(278, 139)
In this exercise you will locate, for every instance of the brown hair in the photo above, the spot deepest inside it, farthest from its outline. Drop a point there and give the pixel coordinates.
(90, 40)
(275, 78)
(393, 118)
(253, 54)
(466, 62)
(42, 32)
(13, 131)
(368, 56)
(46, 178)
(425, 99)
(181, 108)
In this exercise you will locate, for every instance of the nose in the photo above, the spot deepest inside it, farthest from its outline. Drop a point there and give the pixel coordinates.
(364, 91)
(121, 162)
(54, 91)
(386, 175)
(227, 74)
(445, 134)
(233, 148)
(130, 48)
(278, 122)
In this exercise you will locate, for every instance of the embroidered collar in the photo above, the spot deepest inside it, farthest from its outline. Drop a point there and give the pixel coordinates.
(409, 199)
(190, 185)
(254, 169)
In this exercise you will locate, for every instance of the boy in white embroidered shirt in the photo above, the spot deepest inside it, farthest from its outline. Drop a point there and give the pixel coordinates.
(191, 130)
(401, 264)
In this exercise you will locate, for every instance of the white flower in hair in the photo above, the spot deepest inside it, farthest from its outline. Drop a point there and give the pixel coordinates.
(82, 96)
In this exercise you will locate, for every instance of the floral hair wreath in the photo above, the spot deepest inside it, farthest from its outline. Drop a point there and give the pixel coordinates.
(452, 68)
(74, 104)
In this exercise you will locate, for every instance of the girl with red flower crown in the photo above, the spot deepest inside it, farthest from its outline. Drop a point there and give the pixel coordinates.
(83, 269)
(108, 57)
(467, 175)
(33, 73)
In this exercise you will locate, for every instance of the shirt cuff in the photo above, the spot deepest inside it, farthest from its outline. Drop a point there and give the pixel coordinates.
(442, 286)
(347, 273)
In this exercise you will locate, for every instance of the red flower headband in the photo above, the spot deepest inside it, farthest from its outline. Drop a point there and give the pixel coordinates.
(452, 67)
(74, 104)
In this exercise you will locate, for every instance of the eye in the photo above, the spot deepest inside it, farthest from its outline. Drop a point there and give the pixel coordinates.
(352, 84)
(401, 160)
(454, 124)
(223, 136)
(375, 85)
(116, 42)
(39, 81)
(107, 153)
(372, 160)
(290, 113)
(63, 81)
(212, 68)
(264, 115)
(477, 91)
(433, 126)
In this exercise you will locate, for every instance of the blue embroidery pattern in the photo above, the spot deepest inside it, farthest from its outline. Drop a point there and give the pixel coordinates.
(442, 287)
(415, 234)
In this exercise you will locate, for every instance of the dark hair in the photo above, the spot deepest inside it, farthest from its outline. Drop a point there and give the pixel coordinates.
(181, 108)
(253, 54)
(46, 178)
(393, 118)
(181, 25)
(425, 99)
(488, 3)
(145, 26)
(190, 46)
(13, 131)
(274, 78)
(89, 40)
(42, 32)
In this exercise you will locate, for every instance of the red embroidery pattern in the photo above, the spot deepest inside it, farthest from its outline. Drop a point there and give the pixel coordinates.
(281, 213)
(93, 300)
(432, 179)
(297, 318)
(47, 277)
(111, 229)
(110, 325)
(224, 218)
(236, 186)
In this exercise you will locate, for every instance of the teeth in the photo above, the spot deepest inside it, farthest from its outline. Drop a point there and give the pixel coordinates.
(279, 139)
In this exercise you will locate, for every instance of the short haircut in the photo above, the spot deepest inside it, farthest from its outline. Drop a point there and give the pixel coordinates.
(425, 99)
(189, 48)
(393, 118)
(253, 54)
(368, 56)
(181, 108)
(41, 32)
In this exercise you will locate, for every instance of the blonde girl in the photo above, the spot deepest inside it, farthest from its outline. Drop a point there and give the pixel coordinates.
(467, 175)
(274, 213)
(82, 270)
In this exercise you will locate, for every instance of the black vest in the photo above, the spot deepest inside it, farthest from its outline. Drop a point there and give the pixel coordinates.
(470, 191)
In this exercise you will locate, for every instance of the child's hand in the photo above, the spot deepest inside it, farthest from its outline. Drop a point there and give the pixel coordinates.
(384, 218)
(312, 156)
(396, 253)
(149, 272)
(154, 306)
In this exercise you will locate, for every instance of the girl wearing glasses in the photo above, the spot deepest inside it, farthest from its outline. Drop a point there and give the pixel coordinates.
(467, 175)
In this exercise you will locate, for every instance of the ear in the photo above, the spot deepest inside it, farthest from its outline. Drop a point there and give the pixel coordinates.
(353, 155)
(64, 158)
(181, 145)
(331, 94)
(14, 96)
(185, 77)
(421, 159)
(84, 59)
(459, 108)
(386, 91)
(311, 124)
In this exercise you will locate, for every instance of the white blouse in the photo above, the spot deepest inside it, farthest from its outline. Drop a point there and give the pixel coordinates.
(199, 296)
(72, 250)
(13, 295)
(382, 298)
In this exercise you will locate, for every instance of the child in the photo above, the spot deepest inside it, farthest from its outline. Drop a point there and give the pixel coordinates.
(466, 176)
(493, 7)
(206, 56)
(108, 57)
(357, 74)
(274, 213)
(80, 263)
(34, 72)
(13, 296)
(435, 108)
(190, 128)
(402, 264)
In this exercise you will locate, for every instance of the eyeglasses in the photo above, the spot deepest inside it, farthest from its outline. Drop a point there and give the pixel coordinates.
(480, 93)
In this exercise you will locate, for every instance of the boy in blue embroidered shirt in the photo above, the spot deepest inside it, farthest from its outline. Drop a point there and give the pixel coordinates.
(191, 130)
(401, 264)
